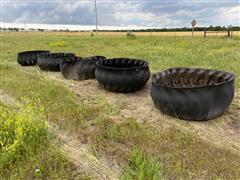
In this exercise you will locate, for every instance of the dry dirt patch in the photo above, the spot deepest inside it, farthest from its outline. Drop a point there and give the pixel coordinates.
(223, 131)
(82, 158)
(6, 99)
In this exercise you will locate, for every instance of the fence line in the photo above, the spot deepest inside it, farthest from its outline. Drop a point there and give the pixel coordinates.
(147, 34)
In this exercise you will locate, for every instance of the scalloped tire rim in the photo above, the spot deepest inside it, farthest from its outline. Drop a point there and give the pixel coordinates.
(192, 93)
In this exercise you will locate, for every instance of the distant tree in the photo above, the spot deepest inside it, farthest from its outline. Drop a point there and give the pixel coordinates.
(193, 23)
(41, 30)
(13, 29)
(211, 28)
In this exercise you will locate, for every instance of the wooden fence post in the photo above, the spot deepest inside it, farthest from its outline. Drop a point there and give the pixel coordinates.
(229, 35)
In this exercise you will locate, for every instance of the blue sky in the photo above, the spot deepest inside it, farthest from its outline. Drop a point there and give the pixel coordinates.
(147, 13)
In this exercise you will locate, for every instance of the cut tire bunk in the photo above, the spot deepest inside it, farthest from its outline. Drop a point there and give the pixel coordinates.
(192, 93)
(52, 61)
(29, 58)
(80, 68)
(122, 75)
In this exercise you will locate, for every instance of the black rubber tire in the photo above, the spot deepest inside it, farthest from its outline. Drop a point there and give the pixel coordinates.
(52, 61)
(122, 75)
(80, 68)
(192, 93)
(29, 58)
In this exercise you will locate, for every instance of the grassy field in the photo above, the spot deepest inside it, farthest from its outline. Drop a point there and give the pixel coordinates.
(131, 148)
(149, 34)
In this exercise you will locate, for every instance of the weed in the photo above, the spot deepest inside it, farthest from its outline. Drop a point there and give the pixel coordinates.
(58, 44)
(143, 167)
(26, 149)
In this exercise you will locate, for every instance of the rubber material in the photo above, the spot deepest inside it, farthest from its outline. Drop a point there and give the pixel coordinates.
(51, 61)
(122, 75)
(80, 68)
(192, 93)
(29, 58)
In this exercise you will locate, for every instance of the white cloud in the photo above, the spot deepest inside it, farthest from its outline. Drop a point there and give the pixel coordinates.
(177, 13)
(70, 7)
(230, 14)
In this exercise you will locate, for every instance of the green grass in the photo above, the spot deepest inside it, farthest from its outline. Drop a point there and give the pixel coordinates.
(60, 103)
(143, 167)
(174, 153)
(183, 154)
(161, 52)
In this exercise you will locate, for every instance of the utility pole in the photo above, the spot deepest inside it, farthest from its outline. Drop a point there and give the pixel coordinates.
(96, 16)
(25, 26)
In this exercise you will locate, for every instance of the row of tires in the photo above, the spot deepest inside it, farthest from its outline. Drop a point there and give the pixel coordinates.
(185, 93)
(121, 75)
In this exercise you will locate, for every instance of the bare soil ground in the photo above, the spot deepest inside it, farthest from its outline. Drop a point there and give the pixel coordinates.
(82, 158)
(223, 131)
(6, 98)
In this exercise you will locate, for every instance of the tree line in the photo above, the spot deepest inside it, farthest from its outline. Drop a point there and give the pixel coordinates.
(210, 28)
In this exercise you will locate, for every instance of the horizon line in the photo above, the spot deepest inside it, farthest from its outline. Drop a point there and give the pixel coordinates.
(75, 27)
